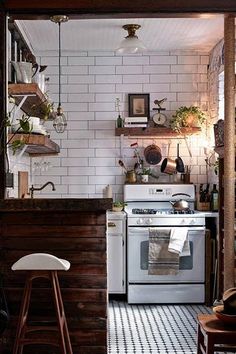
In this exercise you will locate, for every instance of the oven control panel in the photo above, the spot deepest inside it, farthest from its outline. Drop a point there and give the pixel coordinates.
(160, 191)
(167, 220)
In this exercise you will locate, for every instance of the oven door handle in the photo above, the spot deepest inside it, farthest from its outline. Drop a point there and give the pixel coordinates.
(141, 230)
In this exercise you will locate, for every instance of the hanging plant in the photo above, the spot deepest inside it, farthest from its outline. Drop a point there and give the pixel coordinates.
(187, 117)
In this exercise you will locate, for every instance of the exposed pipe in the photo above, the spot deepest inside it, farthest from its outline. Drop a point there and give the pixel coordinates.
(229, 151)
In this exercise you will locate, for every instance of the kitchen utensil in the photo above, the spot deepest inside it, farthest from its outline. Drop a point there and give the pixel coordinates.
(188, 147)
(179, 162)
(168, 165)
(152, 154)
(121, 163)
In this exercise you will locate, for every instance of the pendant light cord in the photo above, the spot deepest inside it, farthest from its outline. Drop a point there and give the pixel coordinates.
(59, 46)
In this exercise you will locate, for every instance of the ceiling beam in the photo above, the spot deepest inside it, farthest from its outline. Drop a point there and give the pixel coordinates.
(108, 7)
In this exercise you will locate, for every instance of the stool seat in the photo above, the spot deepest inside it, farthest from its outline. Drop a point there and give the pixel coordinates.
(41, 261)
(42, 265)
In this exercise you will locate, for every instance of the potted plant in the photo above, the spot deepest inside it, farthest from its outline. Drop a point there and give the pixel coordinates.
(118, 206)
(187, 117)
(145, 173)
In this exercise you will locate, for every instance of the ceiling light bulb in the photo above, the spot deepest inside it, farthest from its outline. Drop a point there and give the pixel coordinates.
(131, 44)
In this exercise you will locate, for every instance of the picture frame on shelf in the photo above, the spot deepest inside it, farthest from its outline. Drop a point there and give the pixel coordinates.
(139, 105)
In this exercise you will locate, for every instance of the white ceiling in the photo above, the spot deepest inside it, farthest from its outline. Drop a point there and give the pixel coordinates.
(160, 34)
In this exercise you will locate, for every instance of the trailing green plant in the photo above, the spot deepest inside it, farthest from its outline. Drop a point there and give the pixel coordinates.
(181, 117)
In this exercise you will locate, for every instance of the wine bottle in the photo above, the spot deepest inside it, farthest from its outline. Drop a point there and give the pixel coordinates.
(214, 198)
(207, 194)
(201, 194)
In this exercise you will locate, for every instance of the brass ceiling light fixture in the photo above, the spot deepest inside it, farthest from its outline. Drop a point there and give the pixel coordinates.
(59, 121)
(131, 43)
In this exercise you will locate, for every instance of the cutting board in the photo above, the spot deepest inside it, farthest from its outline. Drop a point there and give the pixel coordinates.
(23, 184)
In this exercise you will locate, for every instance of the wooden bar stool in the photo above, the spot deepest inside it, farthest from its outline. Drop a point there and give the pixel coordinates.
(214, 335)
(42, 265)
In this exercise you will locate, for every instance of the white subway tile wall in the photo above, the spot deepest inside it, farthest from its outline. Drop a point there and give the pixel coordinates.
(90, 150)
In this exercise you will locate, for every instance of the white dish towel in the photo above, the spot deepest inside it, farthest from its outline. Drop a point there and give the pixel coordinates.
(178, 237)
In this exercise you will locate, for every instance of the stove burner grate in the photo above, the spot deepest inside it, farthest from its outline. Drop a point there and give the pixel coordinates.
(188, 211)
(144, 211)
(162, 211)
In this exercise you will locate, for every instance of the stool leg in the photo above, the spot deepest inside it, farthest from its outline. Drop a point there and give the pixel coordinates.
(209, 345)
(66, 331)
(20, 332)
(61, 319)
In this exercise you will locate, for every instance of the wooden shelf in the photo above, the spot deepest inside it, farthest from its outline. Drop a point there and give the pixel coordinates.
(36, 144)
(161, 132)
(34, 104)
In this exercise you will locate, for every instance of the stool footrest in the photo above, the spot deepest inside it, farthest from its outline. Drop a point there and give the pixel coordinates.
(28, 341)
(40, 328)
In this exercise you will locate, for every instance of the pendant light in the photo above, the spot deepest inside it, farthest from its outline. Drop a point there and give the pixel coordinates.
(131, 43)
(59, 121)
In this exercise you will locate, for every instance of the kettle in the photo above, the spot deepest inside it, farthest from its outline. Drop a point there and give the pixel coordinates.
(24, 71)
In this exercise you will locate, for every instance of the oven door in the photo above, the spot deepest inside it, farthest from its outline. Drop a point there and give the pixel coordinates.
(191, 268)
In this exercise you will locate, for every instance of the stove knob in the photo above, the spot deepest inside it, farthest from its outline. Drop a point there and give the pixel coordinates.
(149, 221)
(192, 222)
(183, 222)
(140, 221)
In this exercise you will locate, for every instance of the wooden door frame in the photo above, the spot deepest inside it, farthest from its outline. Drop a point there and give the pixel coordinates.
(92, 9)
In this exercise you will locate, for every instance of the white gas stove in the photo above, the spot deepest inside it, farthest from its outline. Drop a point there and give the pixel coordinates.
(148, 207)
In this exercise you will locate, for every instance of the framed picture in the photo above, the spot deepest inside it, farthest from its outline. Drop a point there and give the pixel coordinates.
(139, 104)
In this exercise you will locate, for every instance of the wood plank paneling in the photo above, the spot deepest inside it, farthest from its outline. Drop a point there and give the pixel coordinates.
(79, 237)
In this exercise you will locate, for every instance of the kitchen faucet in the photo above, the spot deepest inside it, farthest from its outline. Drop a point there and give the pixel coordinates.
(32, 189)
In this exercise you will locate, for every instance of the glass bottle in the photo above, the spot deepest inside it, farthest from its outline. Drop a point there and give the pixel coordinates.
(119, 122)
(214, 198)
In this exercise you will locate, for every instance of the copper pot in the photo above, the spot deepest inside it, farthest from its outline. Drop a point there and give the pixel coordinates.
(168, 165)
(152, 154)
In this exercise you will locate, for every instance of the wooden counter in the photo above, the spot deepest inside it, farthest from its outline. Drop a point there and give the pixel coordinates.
(74, 229)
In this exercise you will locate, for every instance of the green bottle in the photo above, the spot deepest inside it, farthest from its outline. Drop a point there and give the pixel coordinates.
(214, 198)
(119, 122)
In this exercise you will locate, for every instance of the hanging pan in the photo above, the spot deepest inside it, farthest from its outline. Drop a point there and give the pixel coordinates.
(168, 165)
(152, 154)
(179, 162)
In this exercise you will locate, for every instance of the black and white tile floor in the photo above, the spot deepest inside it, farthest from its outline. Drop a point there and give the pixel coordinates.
(153, 329)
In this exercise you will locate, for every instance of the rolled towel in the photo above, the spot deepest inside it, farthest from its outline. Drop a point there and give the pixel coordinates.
(177, 239)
